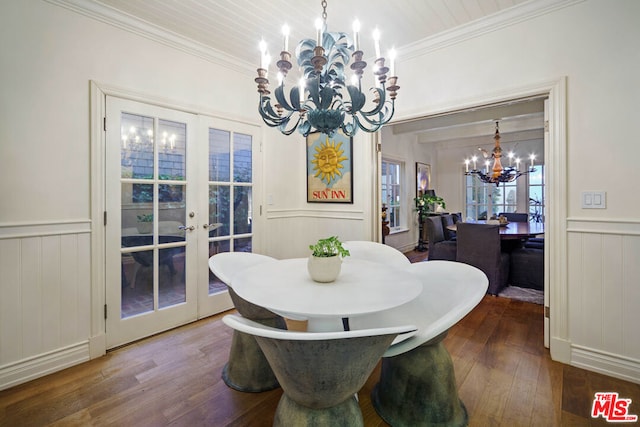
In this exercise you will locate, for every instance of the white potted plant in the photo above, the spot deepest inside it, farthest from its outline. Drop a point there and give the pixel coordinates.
(145, 223)
(326, 259)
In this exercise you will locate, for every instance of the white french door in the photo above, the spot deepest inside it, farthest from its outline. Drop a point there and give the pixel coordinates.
(229, 178)
(178, 189)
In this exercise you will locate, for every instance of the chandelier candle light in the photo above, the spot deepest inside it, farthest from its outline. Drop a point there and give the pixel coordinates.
(318, 102)
(497, 174)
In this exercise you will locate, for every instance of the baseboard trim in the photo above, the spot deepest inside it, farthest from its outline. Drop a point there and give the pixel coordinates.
(606, 363)
(560, 350)
(98, 345)
(43, 364)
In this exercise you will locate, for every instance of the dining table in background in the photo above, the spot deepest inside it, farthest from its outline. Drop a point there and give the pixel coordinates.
(514, 230)
(363, 287)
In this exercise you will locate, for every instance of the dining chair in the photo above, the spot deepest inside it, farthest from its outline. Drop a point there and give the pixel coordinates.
(417, 383)
(447, 221)
(376, 252)
(515, 216)
(479, 245)
(439, 248)
(246, 369)
(534, 243)
(527, 268)
(320, 372)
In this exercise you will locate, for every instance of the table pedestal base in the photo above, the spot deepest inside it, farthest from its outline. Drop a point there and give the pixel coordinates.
(418, 388)
(247, 369)
(289, 413)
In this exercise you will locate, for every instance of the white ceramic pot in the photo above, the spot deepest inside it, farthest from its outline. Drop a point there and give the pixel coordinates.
(324, 269)
(145, 227)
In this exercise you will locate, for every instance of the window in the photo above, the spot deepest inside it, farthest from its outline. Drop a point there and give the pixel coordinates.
(536, 194)
(481, 198)
(392, 172)
(485, 200)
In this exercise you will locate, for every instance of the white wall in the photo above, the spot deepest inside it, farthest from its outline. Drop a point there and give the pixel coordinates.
(405, 148)
(594, 44)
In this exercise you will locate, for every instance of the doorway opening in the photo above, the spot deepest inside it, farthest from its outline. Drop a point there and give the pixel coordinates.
(448, 174)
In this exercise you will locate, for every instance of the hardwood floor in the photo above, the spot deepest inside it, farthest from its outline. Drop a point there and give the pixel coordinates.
(504, 374)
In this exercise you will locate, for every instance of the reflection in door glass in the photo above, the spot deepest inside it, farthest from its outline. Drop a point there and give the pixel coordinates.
(137, 283)
(242, 214)
(171, 150)
(171, 283)
(219, 210)
(241, 158)
(242, 245)
(136, 154)
(215, 284)
(219, 155)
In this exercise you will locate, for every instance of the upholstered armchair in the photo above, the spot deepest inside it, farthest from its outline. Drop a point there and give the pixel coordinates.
(439, 247)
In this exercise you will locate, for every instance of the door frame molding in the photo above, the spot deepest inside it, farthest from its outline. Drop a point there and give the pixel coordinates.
(97, 138)
(556, 273)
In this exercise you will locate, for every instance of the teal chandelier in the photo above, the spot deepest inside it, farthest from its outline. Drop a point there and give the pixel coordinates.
(323, 100)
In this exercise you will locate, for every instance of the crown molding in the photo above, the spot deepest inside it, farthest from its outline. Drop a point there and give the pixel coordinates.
(124, 21)
(505, 18)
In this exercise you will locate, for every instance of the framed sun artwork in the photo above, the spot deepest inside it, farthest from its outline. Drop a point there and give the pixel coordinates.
(329, 168)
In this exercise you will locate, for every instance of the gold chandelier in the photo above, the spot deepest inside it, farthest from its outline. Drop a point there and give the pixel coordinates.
(498, 173)
(323, 100)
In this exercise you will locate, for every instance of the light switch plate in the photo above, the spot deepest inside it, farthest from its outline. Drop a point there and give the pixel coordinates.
(594, 200)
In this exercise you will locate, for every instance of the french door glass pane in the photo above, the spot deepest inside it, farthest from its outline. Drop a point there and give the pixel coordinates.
(219, 155)
(171, 285)
(242, 210)
(242, 245)
(215, 247)
(136, 155)
(219, 210)
(242, 158)
(137, 283)
(172, 137)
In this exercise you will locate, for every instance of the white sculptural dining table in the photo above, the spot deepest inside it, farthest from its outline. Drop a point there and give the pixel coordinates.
(363, 287)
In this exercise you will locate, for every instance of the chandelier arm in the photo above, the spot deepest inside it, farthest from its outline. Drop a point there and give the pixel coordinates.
(384, 116)
(287, 132)
(282, 99)
(357, 99)
(380, 104)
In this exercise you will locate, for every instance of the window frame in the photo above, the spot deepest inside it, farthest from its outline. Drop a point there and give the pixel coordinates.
(395, 211)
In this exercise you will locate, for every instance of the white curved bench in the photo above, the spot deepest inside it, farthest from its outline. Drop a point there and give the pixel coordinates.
(376, 252)
(417, 382)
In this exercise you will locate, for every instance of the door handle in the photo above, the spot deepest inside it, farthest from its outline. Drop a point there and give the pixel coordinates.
(190, 228)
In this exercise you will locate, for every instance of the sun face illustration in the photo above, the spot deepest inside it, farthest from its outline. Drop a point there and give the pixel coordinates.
(328, 161)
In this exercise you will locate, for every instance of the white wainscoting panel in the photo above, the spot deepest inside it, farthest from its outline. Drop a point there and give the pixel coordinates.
(604, 296)
(289, 232)
(45, 286)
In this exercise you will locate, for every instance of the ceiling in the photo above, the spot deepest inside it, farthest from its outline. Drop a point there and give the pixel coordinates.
(517, 116)
(235, 27)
